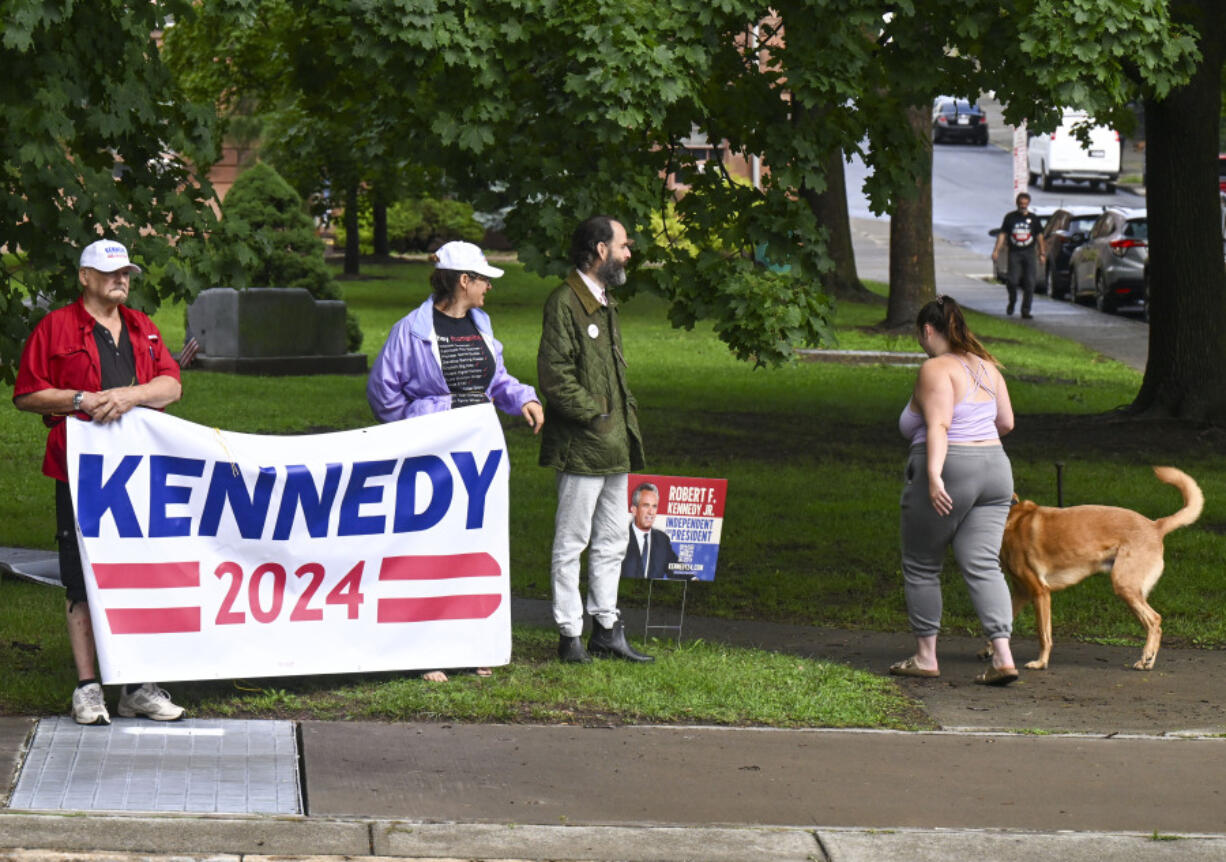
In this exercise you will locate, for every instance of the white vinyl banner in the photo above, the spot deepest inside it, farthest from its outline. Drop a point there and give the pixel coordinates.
(210, 554)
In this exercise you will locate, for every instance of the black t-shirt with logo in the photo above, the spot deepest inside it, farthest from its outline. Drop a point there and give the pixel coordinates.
(468, 364)
(1021, 231)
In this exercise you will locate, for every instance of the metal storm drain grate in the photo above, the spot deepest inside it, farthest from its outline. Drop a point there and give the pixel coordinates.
(196, 765)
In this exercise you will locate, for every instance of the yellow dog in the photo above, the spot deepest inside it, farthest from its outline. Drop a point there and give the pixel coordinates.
(1045, 550)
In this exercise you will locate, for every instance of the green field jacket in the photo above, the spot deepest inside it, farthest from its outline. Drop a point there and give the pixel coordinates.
(591, 419)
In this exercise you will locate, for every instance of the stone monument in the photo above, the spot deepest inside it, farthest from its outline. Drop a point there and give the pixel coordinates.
(271, 330)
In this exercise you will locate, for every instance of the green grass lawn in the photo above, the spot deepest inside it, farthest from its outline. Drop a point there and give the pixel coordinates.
(811, 452)
(696, 683)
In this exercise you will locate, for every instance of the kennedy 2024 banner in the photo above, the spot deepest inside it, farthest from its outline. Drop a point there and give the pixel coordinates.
(216, 554)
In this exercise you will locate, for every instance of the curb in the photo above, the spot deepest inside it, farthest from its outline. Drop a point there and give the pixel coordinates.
(180, 834)
(300, 837)
(128, 838)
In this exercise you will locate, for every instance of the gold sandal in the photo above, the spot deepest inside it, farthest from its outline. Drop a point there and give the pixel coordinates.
(908, 667)
(997, 676)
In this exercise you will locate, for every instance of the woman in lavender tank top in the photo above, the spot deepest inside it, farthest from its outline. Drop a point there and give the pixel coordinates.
(959, 487)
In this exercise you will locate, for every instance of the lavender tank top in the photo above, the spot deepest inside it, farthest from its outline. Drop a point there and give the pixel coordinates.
(972, 420)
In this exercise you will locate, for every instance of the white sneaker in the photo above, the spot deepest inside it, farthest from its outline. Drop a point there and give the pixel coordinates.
(88, 706)
(151, 701)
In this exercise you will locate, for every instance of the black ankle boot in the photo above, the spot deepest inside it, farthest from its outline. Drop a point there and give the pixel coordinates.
(571, 650)
(612, 642)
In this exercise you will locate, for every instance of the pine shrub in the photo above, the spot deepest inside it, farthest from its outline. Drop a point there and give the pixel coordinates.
(267, 239)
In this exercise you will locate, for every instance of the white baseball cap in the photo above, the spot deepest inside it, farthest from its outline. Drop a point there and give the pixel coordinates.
(465, 257)
(106, 255)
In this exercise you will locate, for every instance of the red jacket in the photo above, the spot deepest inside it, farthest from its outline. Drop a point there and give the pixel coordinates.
(61, 354)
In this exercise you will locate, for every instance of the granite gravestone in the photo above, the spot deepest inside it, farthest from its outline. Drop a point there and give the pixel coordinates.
(271, 330)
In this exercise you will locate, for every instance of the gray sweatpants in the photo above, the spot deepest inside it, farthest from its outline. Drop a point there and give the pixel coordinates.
(979, 479)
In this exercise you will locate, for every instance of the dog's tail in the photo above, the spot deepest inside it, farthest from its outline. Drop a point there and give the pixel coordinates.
(1193, 499)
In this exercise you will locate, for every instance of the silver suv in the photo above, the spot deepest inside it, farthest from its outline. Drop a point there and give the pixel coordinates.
(1111, 264)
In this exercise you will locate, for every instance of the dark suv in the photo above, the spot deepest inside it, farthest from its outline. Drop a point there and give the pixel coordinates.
(1065, 231)
(958, 120)
(1112, 261)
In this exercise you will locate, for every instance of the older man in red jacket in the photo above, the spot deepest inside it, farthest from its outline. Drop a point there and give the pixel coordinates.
(94, 360)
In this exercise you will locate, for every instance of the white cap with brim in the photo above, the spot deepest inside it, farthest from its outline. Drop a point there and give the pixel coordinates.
(106, 255)
(465, 257)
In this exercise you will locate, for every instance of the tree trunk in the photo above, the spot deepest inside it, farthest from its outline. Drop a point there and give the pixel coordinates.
(830, 210)
(379, 206)
(912, 269)
(1185, 374)
(353, 247)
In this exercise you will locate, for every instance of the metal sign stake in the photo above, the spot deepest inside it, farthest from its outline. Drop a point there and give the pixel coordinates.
(648, 627)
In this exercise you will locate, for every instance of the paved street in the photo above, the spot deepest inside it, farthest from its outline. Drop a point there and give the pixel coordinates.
(972, 188)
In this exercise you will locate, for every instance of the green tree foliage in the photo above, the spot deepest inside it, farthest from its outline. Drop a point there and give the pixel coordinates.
(332, 123)
(562, 108)
(581, 108)
(94, 139)
(267, 239)
(558, 109)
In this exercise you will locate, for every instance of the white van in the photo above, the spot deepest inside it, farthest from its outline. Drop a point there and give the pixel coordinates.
(1061, 156)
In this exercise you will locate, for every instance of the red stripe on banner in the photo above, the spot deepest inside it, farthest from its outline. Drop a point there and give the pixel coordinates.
(145, 576)
(438, 608)
(423, 568)
(153, 621)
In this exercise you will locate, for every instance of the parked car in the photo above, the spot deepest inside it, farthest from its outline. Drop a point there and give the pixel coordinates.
(1001, 264)
(1064, 233)
(1221, 173)
(1145, 276)
(1061, 155)
(958, 120)
(1110, 266)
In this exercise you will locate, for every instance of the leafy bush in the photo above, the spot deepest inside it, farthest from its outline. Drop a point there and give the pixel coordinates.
(267, 239)
(418, 225)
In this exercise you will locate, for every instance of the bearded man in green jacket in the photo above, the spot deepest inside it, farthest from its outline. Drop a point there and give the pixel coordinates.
(591, 438)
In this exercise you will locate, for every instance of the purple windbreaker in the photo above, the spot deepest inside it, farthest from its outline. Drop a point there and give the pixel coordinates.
(407, 377)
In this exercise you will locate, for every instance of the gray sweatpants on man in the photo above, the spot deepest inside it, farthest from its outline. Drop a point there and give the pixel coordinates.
(979, 479)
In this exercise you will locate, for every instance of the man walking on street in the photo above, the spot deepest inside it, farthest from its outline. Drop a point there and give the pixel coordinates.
(591, 438)
(94, 360)
(1024, 234)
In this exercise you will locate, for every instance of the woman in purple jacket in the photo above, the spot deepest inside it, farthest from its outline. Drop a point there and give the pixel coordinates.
(444, 355)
